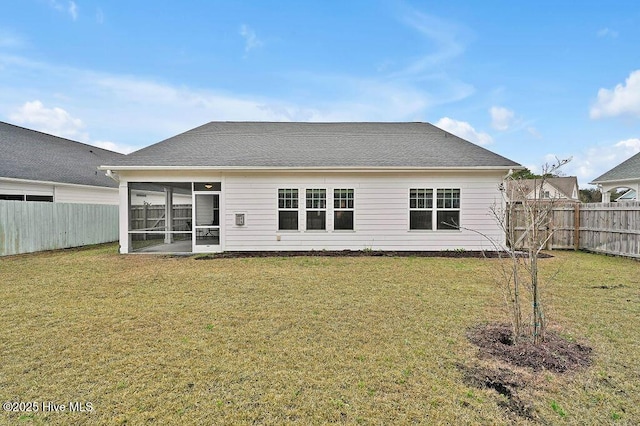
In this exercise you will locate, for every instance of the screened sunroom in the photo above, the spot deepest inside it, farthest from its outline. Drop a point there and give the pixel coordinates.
(162, 217)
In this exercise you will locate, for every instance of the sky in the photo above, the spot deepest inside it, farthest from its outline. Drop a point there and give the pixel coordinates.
(530, 80)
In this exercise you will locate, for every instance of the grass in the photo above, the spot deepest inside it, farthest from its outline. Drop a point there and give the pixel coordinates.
(308, 340)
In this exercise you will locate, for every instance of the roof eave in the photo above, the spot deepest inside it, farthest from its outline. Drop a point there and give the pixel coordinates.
(598, 181)
(302, 169)
(56, 183)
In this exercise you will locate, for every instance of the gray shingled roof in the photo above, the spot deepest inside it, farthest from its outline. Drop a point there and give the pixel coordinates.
(314, 145)
(629, 169)
(32, 155)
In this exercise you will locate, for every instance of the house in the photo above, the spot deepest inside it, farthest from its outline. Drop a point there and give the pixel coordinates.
(624, 175)
(36, 166)
(558, 189)
(258, 186)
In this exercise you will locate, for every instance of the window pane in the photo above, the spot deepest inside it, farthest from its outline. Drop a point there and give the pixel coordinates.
(448, 220)
(316, 220)
(288, 220)
(316, 198)
(343, 220)
(11, 197)
(343, 198)
(448, 199)
(420, 219)
(420, 198)
(46, 198)
(288, 198)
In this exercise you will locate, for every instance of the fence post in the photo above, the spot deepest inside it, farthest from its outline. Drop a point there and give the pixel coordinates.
(145, 213)
(576, 226)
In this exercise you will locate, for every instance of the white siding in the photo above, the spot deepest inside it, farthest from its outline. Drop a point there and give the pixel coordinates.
(62, 193)
(381, 212)
(85, 195)
(25, 187)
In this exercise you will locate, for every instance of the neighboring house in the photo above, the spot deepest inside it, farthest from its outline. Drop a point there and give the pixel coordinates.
(557, 189)
(624, 175)
(36, 166)
(257, 186)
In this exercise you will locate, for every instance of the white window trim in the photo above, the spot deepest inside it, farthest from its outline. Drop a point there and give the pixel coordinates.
(325, 209)
(334, 209)
(278, 209)
(432, 209)
(436, 209)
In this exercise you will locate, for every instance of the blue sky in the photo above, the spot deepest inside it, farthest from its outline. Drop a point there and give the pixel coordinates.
(529, 80)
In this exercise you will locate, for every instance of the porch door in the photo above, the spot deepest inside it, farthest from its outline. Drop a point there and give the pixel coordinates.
(206, 232)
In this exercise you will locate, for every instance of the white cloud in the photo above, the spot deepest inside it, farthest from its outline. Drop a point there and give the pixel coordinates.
(624, 99)
(599, 159)
(607, 32)
(501, 118)
(534, 132)
(99, 16)
(73, 10)
(631, 146)
(58, 122)
(251, 40)
(55, 121)
(464, 130)
(112, 146)
(447, 37)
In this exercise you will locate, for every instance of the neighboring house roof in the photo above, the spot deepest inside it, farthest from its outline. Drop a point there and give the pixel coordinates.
(313, 145)
(630, 195)
(627, 170)
(32, 155)
(566, 186)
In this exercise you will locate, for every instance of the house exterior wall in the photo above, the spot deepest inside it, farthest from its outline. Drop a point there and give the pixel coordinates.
(61, 193)
(86, 195)
(381, 215)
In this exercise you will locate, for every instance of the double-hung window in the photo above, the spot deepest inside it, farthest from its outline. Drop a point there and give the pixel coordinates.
(343, 209)
(421, 209)
(448, 209)
(316, 209)
(288, 209)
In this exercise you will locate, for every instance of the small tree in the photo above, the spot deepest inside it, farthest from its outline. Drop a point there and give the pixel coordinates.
(536, 209)
(523, 200)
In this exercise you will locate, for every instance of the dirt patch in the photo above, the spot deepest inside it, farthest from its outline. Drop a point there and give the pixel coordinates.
(509, 368)
(555, 354)
(504, 381)
(361, 253)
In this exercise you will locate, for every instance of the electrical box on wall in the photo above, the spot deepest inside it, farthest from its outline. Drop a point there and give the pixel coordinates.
(239, 219)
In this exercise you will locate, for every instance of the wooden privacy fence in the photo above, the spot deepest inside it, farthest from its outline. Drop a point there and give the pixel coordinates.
(30, 226)
(152, 217)
(610, 228)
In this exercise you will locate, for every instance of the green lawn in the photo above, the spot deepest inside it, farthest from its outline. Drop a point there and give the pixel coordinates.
(358, 340)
